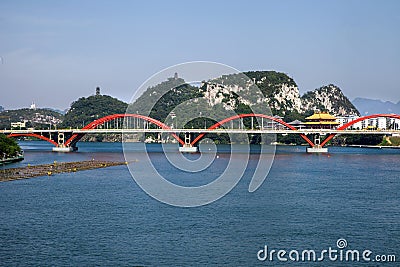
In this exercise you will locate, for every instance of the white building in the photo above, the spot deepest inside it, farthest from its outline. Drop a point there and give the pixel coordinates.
(33, 105)
(19, 124)
(394, 124)
(379, 122)
(342, 120)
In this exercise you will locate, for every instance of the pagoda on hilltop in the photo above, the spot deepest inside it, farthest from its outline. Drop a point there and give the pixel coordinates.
(321, 120)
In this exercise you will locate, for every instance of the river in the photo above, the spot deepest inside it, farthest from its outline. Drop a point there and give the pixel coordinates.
(103, 218)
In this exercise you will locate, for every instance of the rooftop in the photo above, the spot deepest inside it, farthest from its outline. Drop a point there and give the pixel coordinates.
(295, 122)
(322, 122)
(321, 116)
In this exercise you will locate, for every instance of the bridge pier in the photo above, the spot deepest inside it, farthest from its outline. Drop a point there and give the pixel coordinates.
(64, 149)
(317, 148)
(61, 144)
(187, 147)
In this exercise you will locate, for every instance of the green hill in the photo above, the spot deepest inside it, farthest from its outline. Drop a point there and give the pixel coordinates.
(280, 94)
(87, 109)
(235, 92)
(37, 118)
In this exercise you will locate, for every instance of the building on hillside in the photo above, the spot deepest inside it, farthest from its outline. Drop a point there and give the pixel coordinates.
(321, 120)
(33, 105)
(19, 124)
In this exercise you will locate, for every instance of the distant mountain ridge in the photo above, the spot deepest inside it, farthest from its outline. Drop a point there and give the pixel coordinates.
(374, 106)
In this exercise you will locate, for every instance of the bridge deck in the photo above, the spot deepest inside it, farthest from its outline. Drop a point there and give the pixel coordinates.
(219, 130)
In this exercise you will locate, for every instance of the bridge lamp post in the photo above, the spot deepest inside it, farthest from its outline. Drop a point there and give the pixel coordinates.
(173, 116)
(136, 120)
(205, 123)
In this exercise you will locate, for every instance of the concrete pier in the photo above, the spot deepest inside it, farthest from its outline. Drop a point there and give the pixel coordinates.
(317, 149)
(188, 149)
(65, 149)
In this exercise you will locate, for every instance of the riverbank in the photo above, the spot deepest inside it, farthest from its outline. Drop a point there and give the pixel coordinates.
(369, 146)
(11, 160)
(55, 168)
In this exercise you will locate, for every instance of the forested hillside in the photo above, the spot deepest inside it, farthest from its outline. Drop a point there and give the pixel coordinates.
(88, 109)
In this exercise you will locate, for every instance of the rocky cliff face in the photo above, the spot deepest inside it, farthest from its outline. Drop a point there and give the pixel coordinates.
(287, 98)
(329, 98)
(281, 94)
(236, 92)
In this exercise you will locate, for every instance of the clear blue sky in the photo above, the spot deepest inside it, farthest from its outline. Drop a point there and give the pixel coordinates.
(53, 52)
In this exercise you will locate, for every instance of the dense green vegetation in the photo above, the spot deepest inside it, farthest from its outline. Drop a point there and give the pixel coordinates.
(271, 81)
(290, 139)
(391, 141)
(358, 139)
(8, 147)
(19, 115)
(86, 110)
(340, 140)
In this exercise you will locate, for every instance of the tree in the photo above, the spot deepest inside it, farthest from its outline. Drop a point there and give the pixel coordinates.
(8, 147)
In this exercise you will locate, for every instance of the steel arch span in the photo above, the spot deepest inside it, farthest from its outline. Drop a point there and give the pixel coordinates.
(347, 125)
(240, 116)
(33, 135)
(76, 137)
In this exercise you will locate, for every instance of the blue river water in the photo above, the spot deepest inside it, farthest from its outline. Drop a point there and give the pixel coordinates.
(103, 218)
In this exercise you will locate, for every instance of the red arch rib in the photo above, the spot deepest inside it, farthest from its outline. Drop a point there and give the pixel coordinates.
(238, 116)
(33, 135)
(347, 125)
(76, 137)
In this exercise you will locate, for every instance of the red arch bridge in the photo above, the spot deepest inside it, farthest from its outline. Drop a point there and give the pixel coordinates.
(65, 140)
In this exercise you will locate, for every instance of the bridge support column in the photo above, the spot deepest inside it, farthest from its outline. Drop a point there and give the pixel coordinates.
(61, 145)
(61, 139)
(64, 149)
(187, 147)
(317, 148)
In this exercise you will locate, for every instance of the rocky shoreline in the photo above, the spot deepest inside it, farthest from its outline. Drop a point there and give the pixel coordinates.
(55, 168)
(11, 160)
